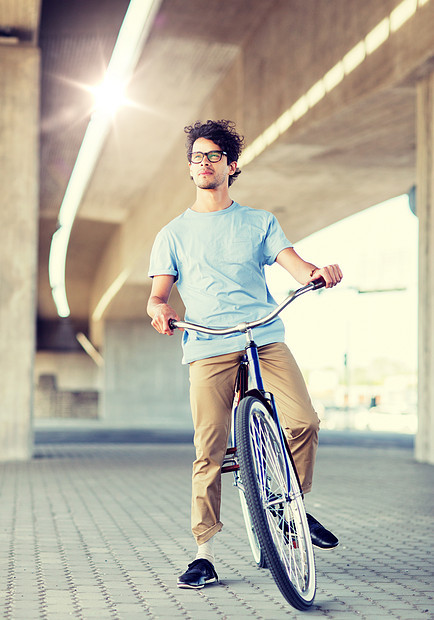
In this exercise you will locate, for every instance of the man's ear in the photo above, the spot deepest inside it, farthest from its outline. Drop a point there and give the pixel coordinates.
(232, 167)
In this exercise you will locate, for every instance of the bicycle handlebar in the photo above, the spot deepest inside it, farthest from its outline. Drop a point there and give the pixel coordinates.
(319, 283)
(244, 327)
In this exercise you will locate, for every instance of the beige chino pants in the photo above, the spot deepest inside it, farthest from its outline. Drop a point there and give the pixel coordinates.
(211, 394)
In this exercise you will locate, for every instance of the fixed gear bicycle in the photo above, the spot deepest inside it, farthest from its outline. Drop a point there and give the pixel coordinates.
(264, 471)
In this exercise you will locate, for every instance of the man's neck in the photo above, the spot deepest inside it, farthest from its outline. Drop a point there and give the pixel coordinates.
(208, 200)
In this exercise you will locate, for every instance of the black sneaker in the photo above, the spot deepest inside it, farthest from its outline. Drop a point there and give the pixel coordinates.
(199, 573)
(321, 538)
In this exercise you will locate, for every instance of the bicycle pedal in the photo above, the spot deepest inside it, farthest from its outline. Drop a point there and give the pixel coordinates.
(230, 462)
(227, 468)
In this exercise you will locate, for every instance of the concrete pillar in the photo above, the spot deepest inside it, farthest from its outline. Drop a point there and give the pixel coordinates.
(425, 211)
(19, 122)
(145, 384)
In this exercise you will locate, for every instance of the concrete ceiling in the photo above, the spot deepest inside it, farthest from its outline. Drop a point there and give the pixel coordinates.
(247, 60)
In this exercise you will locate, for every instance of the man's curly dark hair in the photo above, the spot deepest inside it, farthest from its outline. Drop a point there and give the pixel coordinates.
(223, 134)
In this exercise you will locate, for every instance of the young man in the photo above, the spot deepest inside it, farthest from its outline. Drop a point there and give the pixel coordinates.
(216, 252)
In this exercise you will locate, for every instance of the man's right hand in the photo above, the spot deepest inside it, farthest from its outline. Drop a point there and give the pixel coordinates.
(160, 322)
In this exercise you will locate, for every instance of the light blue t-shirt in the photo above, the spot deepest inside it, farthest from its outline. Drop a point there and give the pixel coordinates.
(218, 261)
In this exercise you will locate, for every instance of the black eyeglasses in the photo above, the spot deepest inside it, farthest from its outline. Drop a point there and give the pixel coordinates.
(213, 156)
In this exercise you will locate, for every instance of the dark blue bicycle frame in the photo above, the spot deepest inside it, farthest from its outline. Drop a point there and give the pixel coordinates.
(256, 389)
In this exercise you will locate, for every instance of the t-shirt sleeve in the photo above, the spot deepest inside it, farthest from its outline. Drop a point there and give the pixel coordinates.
(275, 240)
(163, 257)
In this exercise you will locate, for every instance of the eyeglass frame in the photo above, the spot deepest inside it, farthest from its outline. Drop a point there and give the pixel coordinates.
(206, 155)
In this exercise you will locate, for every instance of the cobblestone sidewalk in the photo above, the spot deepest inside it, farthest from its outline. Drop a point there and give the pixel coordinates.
(102, 531)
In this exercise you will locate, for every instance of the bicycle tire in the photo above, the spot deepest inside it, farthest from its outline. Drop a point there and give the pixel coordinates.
(258, 554)
(275, 504)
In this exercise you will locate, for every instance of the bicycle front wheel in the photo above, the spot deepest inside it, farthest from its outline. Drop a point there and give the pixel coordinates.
(275, 503)
(255, 547)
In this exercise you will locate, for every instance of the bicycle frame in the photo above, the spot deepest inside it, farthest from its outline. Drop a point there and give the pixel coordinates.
(250, 366)
(249, 373)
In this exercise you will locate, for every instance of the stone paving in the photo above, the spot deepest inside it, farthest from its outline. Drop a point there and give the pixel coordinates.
(102, 531)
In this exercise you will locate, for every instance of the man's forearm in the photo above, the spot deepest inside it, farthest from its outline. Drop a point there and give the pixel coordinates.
(305, 272)
(154, 304)
(300, 269)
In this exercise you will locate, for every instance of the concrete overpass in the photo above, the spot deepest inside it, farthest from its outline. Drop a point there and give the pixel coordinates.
(335, 100)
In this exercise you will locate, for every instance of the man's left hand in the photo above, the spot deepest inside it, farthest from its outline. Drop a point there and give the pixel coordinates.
(332, 275)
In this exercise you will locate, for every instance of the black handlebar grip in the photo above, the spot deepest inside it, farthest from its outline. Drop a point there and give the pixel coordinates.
(319, 283)
(171, 324)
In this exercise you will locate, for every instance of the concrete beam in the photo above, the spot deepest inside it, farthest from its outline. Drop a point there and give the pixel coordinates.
(19, 21)
(425, 212)
(19, 119)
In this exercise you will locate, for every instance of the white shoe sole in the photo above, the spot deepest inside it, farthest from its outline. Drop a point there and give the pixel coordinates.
(325, 548)
(180, 584)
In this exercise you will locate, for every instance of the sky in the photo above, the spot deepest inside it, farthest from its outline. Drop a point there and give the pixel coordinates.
(376, 249)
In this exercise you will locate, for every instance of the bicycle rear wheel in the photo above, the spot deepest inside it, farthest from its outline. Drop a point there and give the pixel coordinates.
(275, 503)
